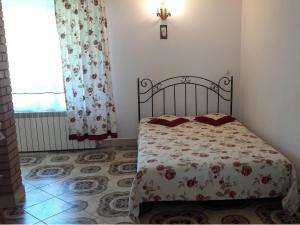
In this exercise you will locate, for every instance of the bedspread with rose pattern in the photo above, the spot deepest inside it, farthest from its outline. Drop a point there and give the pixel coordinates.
(199, 162)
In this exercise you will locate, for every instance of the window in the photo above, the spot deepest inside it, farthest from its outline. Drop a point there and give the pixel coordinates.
(34, 55)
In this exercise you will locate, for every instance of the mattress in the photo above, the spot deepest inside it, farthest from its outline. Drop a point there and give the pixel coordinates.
(200, 162)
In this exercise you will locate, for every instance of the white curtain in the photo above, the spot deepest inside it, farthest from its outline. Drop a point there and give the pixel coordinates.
(82, 28)
(34, 55)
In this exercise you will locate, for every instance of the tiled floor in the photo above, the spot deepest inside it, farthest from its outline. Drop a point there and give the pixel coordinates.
(67, 187)
(93, 186)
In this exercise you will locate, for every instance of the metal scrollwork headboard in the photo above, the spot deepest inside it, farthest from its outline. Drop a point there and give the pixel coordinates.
(223, 89)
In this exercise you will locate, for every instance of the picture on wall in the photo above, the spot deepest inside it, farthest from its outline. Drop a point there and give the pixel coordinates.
(163, 32)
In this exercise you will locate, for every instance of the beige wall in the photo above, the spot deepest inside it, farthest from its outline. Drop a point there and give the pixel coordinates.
(203, 40)
(270, 72)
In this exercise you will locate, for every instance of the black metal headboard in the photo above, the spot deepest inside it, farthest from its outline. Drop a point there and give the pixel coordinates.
(147, 90)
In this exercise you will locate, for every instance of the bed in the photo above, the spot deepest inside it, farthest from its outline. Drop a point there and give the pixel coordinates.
(195, 161)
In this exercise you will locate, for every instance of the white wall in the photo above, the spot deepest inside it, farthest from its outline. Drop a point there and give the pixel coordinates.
(203, 40)
(270, 72)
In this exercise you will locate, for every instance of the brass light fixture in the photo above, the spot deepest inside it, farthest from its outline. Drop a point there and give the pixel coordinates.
(163, 13)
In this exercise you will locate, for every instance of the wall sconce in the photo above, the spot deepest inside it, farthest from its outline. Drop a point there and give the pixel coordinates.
(163, 13)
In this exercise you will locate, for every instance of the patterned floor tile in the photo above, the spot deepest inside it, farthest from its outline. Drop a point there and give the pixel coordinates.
(109, 205)
(59, 158)
(125, 182)
(78, 206)
(19, 216)
(114, 204)
(123, 168)
(31, 159)
(78, 186)
(265, 209)
(34, 197)
(50, 172)
(281, 217)
(130, 155)
(48, 208)
(90, 169)
(114, 220)
(39, 183)
(54, 188)
(96, 156)
(46, 174)
(72, 218)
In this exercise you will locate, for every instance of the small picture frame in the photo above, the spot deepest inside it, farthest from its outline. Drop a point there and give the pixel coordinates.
(163, 32)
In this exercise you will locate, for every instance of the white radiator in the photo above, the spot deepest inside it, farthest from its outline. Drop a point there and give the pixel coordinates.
(46, 132)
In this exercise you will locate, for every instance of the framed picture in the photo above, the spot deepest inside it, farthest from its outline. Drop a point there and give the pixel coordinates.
(163, 32)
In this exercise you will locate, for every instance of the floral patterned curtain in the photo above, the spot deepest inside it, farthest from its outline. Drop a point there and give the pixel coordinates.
(82, 28)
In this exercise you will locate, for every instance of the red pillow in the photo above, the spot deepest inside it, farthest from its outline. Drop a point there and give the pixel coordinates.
(168, 123)
(215, 122)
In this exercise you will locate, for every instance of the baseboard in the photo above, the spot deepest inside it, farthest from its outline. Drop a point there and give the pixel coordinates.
(117, 142)
(12, 199)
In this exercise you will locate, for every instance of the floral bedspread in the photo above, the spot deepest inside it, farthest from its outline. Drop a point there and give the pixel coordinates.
(199, 162)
